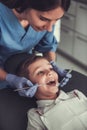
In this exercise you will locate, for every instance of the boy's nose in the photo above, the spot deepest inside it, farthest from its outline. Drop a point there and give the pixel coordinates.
(49, 73)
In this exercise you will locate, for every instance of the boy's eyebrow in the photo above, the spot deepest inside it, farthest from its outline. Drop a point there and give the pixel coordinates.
(40, 67)
(36, 69)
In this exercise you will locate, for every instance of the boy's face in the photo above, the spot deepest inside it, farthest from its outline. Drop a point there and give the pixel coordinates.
(42, 73)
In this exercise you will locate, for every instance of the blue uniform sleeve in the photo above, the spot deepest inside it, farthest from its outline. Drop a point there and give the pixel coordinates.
(47, 43)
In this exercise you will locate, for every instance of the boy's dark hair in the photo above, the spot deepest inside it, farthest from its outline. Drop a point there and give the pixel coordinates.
(41, 5)
(18, 63)
(22, 69)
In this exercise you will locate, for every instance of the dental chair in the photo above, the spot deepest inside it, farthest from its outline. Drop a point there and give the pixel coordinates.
(13, 108)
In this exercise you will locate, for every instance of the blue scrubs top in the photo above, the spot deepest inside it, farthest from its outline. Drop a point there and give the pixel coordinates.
(15, 39)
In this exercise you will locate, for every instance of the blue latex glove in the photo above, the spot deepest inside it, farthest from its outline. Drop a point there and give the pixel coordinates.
(63, 73)
(21, 82)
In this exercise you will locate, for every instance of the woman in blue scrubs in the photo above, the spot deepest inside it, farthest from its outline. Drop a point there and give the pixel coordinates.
(28, 26)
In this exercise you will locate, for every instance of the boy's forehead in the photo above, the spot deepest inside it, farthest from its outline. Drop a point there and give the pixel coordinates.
(39, 64)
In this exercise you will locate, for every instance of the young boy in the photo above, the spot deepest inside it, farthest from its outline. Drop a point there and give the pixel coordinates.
(56, 110)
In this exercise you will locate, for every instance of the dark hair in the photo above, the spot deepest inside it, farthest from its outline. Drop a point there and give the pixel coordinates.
(41, 5)
(22, 69)
(19, 62)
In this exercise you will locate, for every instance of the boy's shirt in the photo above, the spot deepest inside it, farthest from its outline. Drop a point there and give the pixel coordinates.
(67, 112)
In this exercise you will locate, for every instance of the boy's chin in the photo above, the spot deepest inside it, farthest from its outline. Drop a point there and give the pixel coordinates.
(54, 89)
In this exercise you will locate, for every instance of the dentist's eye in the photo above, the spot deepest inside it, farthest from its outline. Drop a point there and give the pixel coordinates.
(44, 19)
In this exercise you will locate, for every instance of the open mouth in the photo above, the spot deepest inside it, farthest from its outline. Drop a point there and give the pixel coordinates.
(52, 83)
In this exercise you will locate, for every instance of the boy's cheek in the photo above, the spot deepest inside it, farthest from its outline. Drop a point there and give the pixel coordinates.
(38, 80)
(41, 81)
(57, 77)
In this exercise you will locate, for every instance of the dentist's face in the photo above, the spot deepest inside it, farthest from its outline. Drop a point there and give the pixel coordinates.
(41, 21)
(42, 73)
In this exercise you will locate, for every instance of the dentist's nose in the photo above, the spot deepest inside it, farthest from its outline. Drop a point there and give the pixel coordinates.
(50, 26)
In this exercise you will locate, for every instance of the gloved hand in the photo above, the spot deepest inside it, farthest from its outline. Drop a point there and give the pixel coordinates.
(21, 82)
(63, 73)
